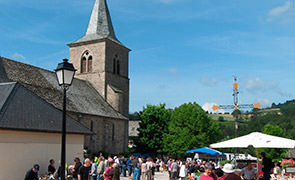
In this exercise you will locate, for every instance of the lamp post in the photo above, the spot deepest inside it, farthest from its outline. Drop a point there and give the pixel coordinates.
(65, 72)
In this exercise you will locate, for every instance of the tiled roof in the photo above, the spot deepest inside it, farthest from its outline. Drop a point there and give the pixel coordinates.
(81, 96)
(20, 109)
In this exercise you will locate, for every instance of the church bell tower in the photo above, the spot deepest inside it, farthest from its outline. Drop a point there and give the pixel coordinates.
(101, 59)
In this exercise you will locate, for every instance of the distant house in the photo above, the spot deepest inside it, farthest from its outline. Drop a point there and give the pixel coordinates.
(30, 131)
(133, 132)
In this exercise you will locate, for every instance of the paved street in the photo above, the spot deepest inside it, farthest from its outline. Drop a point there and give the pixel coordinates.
(158, 176)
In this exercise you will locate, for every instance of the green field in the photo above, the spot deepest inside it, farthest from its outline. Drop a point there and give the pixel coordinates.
(226, 117)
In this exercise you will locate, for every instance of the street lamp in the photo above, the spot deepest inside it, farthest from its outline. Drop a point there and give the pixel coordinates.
(65, 72)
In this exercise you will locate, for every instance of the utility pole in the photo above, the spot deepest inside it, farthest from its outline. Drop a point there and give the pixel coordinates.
(236, 106)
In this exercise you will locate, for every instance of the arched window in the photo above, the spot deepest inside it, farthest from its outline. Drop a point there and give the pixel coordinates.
(118, 67)
(114, 66)
(91, 129)
(90, 64)
(86, 62)
(83, 65)
(113, 132)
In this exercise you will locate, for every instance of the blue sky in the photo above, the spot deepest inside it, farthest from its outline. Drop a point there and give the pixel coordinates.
(182, 50)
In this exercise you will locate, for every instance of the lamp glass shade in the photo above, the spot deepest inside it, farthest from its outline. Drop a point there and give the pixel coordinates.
(65, 73)
(65, 77)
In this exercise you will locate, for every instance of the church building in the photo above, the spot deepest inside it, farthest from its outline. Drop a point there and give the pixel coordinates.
(99, 96)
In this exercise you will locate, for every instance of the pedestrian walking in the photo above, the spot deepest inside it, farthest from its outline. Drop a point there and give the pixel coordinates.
(76, 168)
(174, 168)
(182, 171)
(108, 169)
(136, 174)
(129, 166)
(84, 170)
(144, 170)
(100, 168)
(266, 165)
(114, 174)
(51, 168)
(149, 164)
(248, 172)
(93, 172)
(229, 171)
(123, 166)
(208, 174)
(32, 174)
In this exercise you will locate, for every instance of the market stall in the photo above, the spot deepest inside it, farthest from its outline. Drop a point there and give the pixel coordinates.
(257, 140)
(207, 153)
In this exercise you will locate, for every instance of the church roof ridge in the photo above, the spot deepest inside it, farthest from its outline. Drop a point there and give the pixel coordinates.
(26, 64)
(100, 24)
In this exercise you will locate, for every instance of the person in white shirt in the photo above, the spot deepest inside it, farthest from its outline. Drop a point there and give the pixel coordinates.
(149, 164)
(144, 169)
(248, 172)
(182, 170)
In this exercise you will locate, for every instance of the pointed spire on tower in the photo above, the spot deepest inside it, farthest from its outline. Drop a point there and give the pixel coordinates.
(100, 21)
(100, 24)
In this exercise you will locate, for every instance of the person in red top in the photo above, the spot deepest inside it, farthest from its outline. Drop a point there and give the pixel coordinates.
(208, 174)
(229, 171)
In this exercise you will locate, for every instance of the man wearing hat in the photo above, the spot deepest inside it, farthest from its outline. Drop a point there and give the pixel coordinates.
(32, 174)
(229, 171)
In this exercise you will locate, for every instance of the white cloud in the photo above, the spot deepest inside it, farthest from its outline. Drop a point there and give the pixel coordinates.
(264, 102)
(172, 70)
(281, 9)
(209, 107)
(255, 85)
(17, 56)
(282, 14)
(209, 81)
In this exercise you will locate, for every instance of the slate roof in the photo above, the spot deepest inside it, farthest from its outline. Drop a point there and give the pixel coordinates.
(100, 24)
(81, 96)
(3, 75)
(20, 109)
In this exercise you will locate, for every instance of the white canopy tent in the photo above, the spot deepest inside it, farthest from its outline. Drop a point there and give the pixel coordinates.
(257, 140)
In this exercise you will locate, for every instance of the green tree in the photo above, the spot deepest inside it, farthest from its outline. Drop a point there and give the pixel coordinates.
(154, 123)
(288, 109)
(190, 127)
(221, 119)
(276, 131)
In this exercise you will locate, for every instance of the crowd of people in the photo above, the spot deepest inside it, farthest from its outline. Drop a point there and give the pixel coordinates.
(141, 168)
(100, 168)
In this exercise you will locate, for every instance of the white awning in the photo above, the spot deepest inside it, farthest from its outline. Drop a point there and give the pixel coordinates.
(257, 140)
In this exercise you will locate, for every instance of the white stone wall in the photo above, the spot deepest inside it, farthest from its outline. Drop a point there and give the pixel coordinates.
(20, 150)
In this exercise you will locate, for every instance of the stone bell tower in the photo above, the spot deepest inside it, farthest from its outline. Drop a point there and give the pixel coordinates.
(101, 59)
